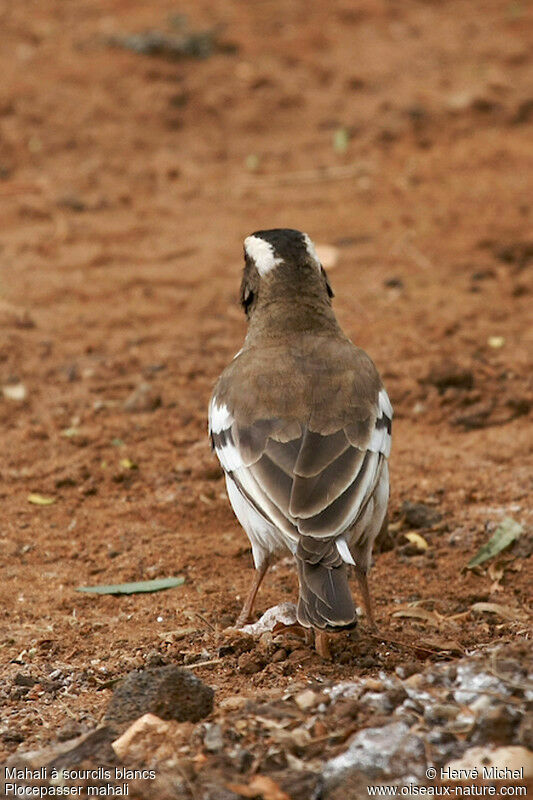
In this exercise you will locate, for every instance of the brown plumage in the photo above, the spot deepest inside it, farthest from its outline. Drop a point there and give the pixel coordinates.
(301, 424)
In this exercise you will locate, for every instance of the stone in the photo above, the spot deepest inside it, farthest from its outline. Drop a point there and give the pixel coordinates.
(449, 374)
(250, 663)
(419, 515)
(306, 700)
(143, 398)
(378, 752)
(213, 738)
(168, 692)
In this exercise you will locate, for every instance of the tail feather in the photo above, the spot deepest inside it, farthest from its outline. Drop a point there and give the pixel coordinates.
(325, 597)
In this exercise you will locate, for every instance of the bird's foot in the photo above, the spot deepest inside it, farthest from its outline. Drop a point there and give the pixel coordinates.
(243, 619)
(322, 644)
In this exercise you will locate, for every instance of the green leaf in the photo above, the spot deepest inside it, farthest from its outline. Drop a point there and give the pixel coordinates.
(136, 587)
(503, 536)
(40, 500)
(341, 140)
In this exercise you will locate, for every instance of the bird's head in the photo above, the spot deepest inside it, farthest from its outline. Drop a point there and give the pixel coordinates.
(282, 268)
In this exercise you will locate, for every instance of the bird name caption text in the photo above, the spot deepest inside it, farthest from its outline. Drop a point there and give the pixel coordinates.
(108, 781)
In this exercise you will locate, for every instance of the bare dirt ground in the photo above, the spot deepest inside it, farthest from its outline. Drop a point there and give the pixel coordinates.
(398, 133)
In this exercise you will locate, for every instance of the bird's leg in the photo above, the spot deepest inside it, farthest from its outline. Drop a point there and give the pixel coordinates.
(322, 644)
(360, 574)
(246, 614)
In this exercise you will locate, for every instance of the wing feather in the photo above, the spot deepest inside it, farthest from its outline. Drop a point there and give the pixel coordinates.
(304, 483)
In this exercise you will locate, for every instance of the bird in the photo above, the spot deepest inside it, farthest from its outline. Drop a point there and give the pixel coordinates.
(301, 424)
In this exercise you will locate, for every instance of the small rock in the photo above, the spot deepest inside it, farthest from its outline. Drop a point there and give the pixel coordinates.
(213, 739)
(374, 685)
(306, 699)
(24, 680)
(393, 283)
(474, 99)
(495, 725)
(242, 759)
(235, 643)
(419, 515)
(70, 730)
(279, 655)
(168, 692)
(415, 681)
(143, 398)
(440, 713)
(15, 391)
(250, 663)
(376, 752)
(450, 374)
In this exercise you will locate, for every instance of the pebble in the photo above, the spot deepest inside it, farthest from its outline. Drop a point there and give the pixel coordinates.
(306, 699)
(250, 663)
(213, 739)
(143, 398)
(16, 392)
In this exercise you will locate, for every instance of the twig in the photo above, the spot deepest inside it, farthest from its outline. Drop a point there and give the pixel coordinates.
(203, 619)
(204, 663)
(410, 645)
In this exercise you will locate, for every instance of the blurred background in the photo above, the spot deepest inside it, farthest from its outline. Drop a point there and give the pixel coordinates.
(140, 142)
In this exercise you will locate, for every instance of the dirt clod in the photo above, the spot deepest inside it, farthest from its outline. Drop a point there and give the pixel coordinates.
(420, 515)
(167, 692)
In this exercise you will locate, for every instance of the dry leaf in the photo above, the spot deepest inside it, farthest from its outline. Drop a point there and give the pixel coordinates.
(446, 645)
(261, 786)
(40, 500)
(506, 612)
(420, 614)
(417, 540)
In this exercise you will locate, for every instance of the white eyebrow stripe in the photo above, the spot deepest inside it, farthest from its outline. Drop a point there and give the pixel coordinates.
(309, 246)
(262, 254)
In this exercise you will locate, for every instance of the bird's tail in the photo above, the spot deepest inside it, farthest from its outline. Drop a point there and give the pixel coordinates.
(325, 600)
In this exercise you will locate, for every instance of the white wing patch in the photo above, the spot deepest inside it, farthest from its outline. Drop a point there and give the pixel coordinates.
(344, 551)
(219, 416)
(384, 404)
(262, 254)
(380, 441)
(221, 420)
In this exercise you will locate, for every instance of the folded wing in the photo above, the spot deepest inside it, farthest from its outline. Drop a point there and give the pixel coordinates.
(304, 483)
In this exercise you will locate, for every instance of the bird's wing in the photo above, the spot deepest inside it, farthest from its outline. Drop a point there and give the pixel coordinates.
(303, 482)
